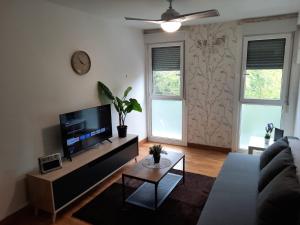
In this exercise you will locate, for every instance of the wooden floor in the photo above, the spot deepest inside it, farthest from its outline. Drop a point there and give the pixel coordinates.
(205, 162)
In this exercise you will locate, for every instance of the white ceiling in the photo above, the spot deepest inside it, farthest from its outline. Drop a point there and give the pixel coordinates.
(115, 10)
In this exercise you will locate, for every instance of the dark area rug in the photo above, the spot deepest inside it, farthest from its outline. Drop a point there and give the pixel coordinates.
(182, 207)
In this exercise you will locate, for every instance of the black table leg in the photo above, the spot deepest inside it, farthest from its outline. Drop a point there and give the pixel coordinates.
(123, 188)
(155, 202)
(183, 169)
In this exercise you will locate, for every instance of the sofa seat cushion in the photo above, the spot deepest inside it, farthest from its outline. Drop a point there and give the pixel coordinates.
(234, 193)
(277, 164)
(278, 203)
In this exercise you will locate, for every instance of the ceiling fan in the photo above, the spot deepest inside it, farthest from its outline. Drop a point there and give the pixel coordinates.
(171, 20)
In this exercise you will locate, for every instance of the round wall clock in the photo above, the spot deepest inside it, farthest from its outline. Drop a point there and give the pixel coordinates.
(80, 62)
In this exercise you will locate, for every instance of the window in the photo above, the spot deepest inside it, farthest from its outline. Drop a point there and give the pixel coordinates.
(264, 84)
(166, 83)
(166, 71)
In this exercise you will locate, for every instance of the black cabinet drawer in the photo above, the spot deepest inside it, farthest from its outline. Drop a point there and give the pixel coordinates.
(73, 184)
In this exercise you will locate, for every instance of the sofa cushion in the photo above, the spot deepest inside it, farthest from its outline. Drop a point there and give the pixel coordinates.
(284, 139)
(277, 164)
(278, 203)
(272, 151)
(232, 200)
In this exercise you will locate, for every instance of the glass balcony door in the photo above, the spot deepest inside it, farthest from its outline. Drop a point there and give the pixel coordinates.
(166, 103)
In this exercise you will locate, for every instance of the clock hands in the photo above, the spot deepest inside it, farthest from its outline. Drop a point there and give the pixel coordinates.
(81, 61)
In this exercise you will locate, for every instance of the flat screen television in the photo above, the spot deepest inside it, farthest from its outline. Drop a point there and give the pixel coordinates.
(85, 128)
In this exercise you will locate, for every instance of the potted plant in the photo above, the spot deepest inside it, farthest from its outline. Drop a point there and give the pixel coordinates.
(122, 105)
(269, 128)
(156, 150)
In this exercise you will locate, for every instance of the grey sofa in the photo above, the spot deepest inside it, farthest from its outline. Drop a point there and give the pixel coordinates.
(232, 200)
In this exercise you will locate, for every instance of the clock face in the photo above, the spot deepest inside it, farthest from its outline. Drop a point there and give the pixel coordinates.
(81, 62)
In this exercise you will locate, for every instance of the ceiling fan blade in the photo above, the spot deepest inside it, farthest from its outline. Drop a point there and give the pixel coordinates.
(144, 20)
(198, 15)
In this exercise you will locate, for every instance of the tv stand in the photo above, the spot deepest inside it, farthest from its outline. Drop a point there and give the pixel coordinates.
(53, 191)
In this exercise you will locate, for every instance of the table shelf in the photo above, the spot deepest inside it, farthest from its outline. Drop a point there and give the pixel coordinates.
(144, 196)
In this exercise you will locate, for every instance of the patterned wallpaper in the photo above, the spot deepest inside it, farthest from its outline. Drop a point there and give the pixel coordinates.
(211, 66)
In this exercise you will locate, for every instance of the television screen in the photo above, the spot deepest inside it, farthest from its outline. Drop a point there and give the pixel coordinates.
(85, 128)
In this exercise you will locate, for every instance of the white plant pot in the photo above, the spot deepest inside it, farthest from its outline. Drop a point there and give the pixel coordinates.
(267, 141)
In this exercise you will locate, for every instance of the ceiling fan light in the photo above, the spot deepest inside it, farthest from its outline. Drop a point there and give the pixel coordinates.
(171, 26)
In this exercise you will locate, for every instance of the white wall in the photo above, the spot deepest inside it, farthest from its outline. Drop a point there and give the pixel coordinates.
(37, 82)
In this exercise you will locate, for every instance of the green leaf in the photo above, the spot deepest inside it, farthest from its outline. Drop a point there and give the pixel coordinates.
(120, 104)
(116, 106)
(127, 91)
(103, 90)
(136, 106)
(129, 108)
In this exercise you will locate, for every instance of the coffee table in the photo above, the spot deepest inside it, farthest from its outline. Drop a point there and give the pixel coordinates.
(158, 182)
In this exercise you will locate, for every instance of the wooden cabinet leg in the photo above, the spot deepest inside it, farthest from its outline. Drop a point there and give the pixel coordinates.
(53, 217)
(135, 159)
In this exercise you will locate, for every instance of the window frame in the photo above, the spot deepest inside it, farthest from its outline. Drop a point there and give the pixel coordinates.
(150, 79)
(285, 74)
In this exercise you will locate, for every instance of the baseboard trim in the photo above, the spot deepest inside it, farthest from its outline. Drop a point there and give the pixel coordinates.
(209, 147)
